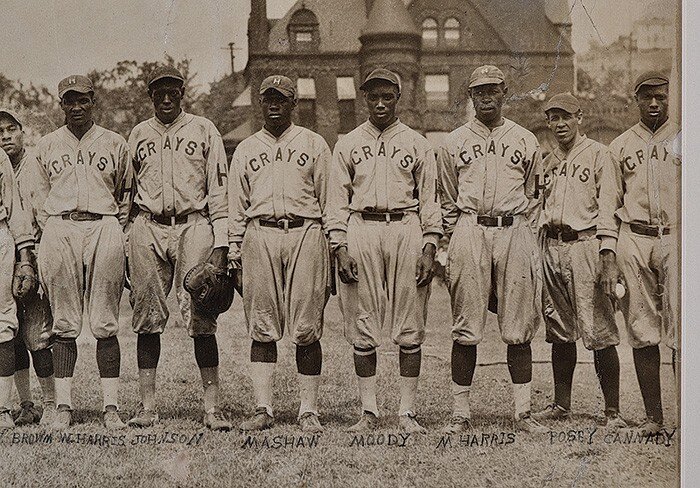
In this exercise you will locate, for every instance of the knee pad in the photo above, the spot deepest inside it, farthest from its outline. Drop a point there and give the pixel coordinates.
(206, 351)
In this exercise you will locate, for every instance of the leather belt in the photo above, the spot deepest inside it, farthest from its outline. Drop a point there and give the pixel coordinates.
(284, 224)
(650, 230)
(81, 216)
(169, 220)
(498, 221)
(382, 216)
(567, 234)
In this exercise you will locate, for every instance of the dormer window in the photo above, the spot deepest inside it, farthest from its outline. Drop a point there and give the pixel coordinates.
(452, 31)
(303, 31)
(430, 32)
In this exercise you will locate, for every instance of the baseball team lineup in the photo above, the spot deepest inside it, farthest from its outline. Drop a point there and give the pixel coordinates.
(559, 242)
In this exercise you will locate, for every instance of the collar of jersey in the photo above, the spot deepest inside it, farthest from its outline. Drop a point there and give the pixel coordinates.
(158, 124)
(266, 133)
(580, 139)
(480, 128)
(86, 137)
(645, 132)
(374, 130)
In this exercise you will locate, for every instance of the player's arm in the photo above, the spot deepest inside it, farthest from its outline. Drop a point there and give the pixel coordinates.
(42, 187)
(321, 168)
(217, 188)
(608, 225)
(449, 190)
(18, 219)
(238, 202)
(533, 175)
(123, 189)
(338, 212)
(425, 174)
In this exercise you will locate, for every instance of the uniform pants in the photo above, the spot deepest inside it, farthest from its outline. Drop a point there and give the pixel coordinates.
(8, 307)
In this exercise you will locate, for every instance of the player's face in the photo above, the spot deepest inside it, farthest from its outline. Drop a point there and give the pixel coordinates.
(381, 99)
(653, 105)
(563, 125)
(78, 108)
(11, 137)
(166, 95)
(276, 109)
(488, 101)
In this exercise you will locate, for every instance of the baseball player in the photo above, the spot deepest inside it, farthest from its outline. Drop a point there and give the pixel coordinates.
(577, 305)
(18, 277)
(181, 194)
(384, 223)
(277, 194)
(639, 232)
(488, 170)
(33, 312)
(82, 199)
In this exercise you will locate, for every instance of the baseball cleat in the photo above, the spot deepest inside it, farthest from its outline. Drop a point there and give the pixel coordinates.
(309, 422)
(614, 422)
(112, 421)
(409, 424)
(647, 428)
(48, 415)
(552, 412)
(368, 421)
(63, 418)
(6, 421)
(527, 424)
(216, 421)
(457, 425)
(143, 418)
(260, 420)
(27, 414)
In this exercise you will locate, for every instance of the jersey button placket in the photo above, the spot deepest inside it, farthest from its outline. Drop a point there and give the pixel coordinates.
(168, 176)
(81, 172)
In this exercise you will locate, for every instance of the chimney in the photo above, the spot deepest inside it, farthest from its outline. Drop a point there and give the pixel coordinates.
(258, 27)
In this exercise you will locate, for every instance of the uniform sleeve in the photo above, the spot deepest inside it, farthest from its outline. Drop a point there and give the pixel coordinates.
(125, 184)
(321, 168)
(18, 219)
(425, 174)
(339, 196)
(448, 190)
(238, 201)
(42, 187)
(217, 187)
(533, 176)
(611, 194)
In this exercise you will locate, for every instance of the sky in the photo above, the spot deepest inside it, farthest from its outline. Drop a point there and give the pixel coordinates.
(46, 40)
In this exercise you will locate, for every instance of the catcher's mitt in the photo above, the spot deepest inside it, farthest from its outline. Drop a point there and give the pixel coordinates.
(24, 282)
(211, 288)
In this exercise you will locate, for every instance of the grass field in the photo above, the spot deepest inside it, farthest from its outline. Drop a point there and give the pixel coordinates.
(180, 452)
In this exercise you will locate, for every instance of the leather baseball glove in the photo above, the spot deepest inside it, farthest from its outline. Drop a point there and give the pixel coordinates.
(24, 282)
(211, 288)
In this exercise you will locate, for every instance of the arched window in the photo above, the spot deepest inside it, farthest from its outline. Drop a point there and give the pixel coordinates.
(303, 31)
(452, 31)
(430, 32)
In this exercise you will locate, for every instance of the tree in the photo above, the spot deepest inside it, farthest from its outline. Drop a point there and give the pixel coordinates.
(217, 104)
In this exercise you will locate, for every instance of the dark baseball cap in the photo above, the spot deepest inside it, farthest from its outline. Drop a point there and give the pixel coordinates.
(382, 74)
(563, 101)
(650, 78)
(486, 75)
(76, 83)
(280, 84)
(162, 72)
(13, 115)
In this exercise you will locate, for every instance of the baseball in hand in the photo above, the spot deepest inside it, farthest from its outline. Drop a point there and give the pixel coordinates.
(620, 290)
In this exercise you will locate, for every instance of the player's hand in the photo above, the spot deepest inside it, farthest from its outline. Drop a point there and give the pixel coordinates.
(347, 266)
(424, 266)
(237, 273)
(25, 281)
(608, 273)
(219, 258)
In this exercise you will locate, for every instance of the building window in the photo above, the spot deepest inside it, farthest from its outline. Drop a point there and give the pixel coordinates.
(437, 88)
(303, 31)
(306, 106)
(346, 103)
(452, 32)
(430, 32)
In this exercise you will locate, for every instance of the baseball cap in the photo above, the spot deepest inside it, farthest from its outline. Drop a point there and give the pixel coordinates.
(165, 72)
(486, 75)
(279, 83)
(564, 101)
(382, 74)
(13, 115)
(650, 78)
(76, 83)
